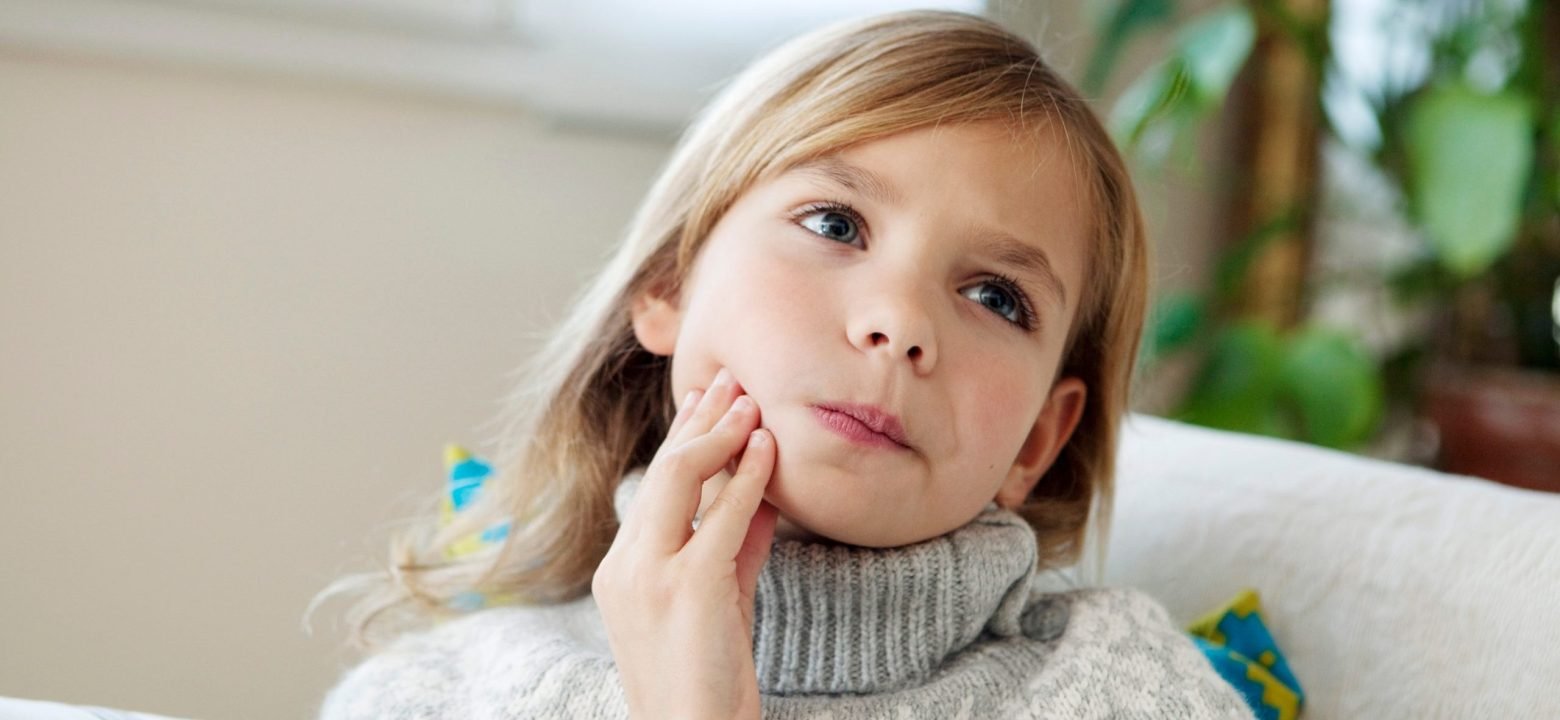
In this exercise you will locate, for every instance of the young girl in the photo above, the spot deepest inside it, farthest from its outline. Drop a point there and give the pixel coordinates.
(850, 384)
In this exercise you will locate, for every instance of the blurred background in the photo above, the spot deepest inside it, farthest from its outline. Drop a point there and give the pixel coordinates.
(261, 259)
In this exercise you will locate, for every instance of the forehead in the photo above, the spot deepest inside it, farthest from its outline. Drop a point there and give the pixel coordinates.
(1024, 167)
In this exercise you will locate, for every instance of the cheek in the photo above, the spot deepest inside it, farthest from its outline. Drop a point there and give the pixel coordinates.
(777, 299)
(749, 311)
(999, 402)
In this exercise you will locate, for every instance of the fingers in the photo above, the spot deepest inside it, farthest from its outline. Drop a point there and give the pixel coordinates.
(725, 531)
(756, 548)
(629, 528)
(669, 496)
(690, 402)
(711, 407)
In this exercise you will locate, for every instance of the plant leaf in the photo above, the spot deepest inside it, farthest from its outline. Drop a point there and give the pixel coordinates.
(1214, 47)
(1469, 155)
(1333, 384)
(1150, 100)
(1237, 385)
(1163, 103)
(1173, 321)
(1128, 17)
(1554, 143)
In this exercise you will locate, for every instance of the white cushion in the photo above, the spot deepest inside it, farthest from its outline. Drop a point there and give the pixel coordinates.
(1392, 590)
(19, 709)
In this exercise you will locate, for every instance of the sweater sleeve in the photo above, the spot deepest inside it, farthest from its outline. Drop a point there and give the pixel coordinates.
(495, 663)
(1121, 656)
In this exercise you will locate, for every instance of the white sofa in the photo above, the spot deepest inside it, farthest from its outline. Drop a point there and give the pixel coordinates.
(19, 709)
(1393, 591)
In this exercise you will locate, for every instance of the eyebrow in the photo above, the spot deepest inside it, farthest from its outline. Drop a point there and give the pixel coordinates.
(1028, 259)
(1000, 246)
(856, 179)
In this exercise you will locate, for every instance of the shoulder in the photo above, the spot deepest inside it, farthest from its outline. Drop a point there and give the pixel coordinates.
(1120, 646)
(1106, 609)
(446, 667)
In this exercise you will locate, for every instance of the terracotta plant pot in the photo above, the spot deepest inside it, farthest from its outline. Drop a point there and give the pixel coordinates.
(1499, 423)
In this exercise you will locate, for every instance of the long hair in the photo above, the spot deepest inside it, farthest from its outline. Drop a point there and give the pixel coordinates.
(593, 404)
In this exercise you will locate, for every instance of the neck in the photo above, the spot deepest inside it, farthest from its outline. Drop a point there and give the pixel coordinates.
(787, 531)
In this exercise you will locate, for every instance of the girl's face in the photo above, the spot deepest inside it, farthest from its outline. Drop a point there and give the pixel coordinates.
(932, 274)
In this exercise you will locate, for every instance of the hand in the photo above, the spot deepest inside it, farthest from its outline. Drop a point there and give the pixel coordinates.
(678, 604)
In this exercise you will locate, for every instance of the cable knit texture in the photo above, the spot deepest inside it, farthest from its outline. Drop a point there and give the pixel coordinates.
(952, 627)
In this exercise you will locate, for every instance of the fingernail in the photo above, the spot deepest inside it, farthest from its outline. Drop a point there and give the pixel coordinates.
(723, 377)
(688, 399)
(756, 438)
(743, 404)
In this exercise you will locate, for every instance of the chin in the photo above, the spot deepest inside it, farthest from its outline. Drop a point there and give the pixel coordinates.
(817, 491)
(818, 516)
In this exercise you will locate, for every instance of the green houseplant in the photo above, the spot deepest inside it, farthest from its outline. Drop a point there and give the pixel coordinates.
(1470, 142)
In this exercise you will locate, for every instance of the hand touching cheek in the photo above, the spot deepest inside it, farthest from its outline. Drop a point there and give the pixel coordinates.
(678, 604)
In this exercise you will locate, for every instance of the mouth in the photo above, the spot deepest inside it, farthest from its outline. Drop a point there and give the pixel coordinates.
(862, 424)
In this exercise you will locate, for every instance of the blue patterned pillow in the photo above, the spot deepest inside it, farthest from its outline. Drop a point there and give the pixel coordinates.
(465, 477)
(1241, 649)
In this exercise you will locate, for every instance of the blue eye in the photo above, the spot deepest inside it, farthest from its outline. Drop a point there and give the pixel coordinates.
(841, 222)
(1002, 295)
(997, 300)
(838, 222)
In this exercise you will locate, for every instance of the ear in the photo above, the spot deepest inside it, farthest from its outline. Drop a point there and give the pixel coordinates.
(1046, 439)
(657, 320)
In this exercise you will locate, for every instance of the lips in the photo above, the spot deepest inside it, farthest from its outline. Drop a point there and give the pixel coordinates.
(868, 418)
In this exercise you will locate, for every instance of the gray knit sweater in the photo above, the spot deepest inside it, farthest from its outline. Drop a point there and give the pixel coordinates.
(953, 627)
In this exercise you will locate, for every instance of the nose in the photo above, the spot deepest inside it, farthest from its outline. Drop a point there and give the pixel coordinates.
(895, 323)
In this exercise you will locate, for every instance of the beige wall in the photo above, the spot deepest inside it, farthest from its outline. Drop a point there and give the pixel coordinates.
(238, 318)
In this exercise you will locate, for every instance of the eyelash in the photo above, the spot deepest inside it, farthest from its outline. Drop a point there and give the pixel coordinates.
(1027, 321)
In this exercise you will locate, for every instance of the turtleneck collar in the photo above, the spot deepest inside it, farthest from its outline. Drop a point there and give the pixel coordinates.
(835, 618)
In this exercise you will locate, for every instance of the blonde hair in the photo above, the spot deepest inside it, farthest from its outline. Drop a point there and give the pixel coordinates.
(593, 403)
